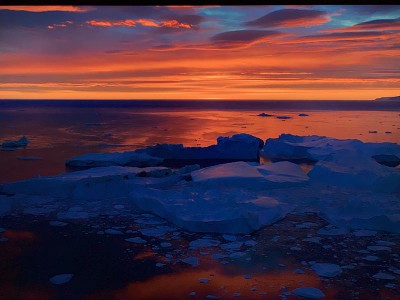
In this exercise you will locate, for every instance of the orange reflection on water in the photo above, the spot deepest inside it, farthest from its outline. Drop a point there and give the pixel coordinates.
(180, 284)
(20, 235)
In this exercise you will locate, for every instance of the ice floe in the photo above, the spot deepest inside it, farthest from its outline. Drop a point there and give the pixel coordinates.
(348, 186)
(326, 269)
(252, 175)
(61, 278)
(237, 147)
(384, 276)
(12, 145)
(130, 158)
(309, 292)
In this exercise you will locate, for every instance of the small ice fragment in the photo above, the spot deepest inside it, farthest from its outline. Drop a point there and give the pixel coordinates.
(312, 240)
(58, 223)
(2, 229)
(295, 248)
(192, 294)
(3, 239)
(236, 294)
(230, 238)
(165, 244)
(61, 278)
(299, 271)
(12, 145)
(327, 269)
(29, 158)
(159, 265)
(113, 231)
(211, 297)
(373, 131)
(309, 292)
(204, 280)
(364, 232)
(218, 255)
(333, 231)
(203, 243)
(379, 248)
(194, 261)
(371, 258)
(306, 225)
(303, 115)
(250, 243)
(283, 117)
(264, 115)
(236, 255)
(385, 276)
(137, 240)
(232, 246)
(385, 243)
(247, 276)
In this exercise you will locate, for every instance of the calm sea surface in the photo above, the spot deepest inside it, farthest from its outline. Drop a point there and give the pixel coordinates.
(61, 129)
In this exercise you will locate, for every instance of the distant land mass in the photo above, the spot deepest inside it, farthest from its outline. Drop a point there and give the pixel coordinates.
(395, 98)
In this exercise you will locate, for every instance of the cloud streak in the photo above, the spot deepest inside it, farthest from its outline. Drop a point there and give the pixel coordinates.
(291, 18)
(374, 25)
(142, 22)
(39, 9)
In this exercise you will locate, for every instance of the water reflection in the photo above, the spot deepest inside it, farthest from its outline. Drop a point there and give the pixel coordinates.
(58, 134)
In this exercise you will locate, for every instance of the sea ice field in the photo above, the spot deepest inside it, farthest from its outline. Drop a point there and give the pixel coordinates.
(291, 213)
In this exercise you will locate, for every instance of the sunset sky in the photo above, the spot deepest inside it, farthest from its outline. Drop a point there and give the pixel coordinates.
(202, 52)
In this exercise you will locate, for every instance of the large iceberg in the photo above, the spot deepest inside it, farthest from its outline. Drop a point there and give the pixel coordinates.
(352, 170)
(346, 163)
(314, 147)
(237, 147)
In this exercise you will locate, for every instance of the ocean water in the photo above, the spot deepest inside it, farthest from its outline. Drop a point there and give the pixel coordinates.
(59, 130)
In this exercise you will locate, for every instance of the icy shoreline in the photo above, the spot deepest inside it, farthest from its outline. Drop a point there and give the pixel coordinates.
(347, 186)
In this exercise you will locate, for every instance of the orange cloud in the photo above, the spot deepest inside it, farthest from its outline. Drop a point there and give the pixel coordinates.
(62, 24)
(143, 22)
(174, 24)
(99, 23)
(38, 8)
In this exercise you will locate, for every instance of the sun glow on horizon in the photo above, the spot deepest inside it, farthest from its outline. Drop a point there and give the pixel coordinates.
(199, 52)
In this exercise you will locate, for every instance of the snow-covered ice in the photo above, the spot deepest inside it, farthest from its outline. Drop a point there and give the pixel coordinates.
(252, 175)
